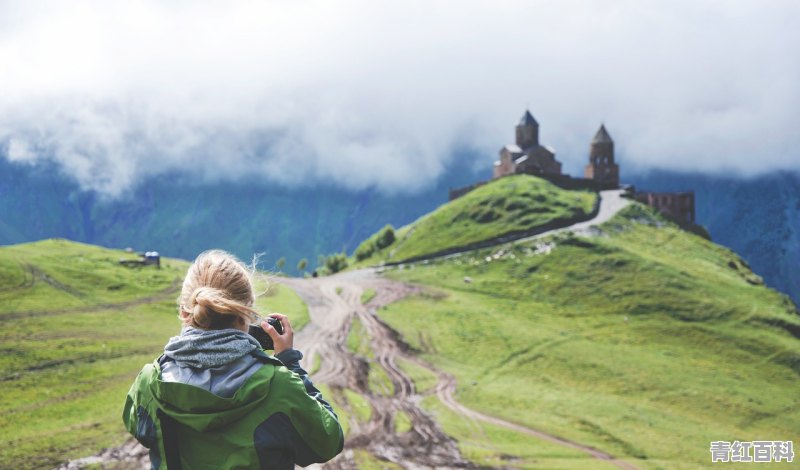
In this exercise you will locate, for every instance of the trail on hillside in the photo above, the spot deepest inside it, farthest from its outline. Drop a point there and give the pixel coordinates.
(166, 293)
(610, 202)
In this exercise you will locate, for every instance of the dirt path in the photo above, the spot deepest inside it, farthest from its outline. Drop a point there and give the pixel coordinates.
(611, 202)
(333, 304)
(409, 450)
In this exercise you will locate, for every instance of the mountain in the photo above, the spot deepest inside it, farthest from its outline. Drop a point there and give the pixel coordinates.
(757, 217)
(180, 219)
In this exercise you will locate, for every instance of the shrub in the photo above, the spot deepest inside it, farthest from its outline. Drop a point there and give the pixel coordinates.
(336, 262)
(384, 238)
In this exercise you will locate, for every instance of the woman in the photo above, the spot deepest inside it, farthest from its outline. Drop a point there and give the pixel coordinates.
(215, 399)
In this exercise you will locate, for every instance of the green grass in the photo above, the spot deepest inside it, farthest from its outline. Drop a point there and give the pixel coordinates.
(282, 299)
(315, 365)
(646, 342)
(358, 405)
(402, 423)
(505, 205)
(424, 380)
(497, 447)
(366, 461)
(75, 329)
(367, 295)
(358, 340)
(379, 381)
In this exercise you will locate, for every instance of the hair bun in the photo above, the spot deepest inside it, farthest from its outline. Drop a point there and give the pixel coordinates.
(204, 305)
(205, 296)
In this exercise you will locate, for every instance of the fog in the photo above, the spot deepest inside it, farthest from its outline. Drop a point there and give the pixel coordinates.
(391, 94)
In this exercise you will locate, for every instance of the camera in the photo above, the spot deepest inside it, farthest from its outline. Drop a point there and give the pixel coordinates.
(261, 336)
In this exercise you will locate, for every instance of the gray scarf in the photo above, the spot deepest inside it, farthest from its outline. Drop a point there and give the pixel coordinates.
(203, 349)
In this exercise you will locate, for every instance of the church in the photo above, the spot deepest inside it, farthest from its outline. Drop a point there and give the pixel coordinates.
(601, 167)
(527, 155)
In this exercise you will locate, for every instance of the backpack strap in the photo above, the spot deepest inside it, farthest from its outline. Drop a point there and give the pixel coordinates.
(169, 435)
(169, 431)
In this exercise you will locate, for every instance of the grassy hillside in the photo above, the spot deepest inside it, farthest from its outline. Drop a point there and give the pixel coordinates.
(502, 206)
(75, 329)
(646, 342)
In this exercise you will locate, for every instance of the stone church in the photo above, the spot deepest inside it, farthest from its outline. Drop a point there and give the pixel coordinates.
(527, 155)
(601, 165)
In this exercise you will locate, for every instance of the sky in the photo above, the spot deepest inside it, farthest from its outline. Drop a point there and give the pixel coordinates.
(391, 94)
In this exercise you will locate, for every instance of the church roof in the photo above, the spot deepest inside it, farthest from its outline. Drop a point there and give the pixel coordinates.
(513, 148)
(528, 120)
(602, 136)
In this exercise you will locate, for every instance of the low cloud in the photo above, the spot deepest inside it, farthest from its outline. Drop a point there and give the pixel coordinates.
(384, 94)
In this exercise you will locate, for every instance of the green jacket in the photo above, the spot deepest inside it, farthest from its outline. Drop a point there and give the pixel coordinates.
(274, 420)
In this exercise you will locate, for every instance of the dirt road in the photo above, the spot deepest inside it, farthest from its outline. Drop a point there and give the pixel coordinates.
(333, 303)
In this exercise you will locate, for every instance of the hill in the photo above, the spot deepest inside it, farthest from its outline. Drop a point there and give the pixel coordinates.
(758, 217)
(75, 329)
(512, 204)
(644, 341)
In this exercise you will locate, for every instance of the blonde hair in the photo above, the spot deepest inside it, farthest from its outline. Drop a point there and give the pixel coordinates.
(217, 292)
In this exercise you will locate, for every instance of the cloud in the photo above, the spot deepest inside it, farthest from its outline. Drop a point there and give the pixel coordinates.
(365, 93)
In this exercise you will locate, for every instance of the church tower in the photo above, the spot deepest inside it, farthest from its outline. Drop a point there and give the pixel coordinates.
(601, 165)
(527, 131)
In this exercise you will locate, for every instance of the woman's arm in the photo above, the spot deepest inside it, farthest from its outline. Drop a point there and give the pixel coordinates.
(291, 359)
(317, 435)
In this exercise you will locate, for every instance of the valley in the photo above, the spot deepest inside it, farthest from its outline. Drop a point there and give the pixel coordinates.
(618, 342)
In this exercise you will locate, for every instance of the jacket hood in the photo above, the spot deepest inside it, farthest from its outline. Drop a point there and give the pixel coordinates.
(202, 410)
(209, 348)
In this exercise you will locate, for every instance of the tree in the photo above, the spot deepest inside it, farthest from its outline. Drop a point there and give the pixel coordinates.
(385, 237)
(280, 263)
(336, 262)
(301, 266)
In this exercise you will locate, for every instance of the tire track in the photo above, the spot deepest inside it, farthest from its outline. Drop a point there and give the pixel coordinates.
(160, 296)
(425, 445)
(379, 436)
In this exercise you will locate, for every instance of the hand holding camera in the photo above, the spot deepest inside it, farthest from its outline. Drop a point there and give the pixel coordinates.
(273, 333)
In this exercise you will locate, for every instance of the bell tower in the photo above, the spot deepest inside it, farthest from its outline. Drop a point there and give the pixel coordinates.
(601, 165)
(527, 131)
